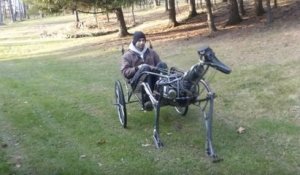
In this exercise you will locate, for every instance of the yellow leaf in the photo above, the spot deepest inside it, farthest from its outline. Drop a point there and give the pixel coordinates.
(240, 130)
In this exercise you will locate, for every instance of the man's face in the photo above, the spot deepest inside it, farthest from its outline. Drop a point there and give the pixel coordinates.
(140, 44)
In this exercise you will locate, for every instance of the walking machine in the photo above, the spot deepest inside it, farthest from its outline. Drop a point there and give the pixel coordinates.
(178, 89)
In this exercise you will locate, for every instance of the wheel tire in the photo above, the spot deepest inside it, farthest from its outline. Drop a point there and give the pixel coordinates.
(120, 104)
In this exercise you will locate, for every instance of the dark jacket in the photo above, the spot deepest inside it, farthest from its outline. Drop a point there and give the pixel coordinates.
(130, 61)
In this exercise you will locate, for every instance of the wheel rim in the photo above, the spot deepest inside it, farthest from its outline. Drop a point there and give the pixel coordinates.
(119, 108)
(120, 104)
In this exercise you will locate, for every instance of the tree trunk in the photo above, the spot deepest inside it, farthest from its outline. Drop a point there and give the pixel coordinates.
(210, 19)
(166, 5)
(1, 14)
(201, 4)
(11, 11)
(95, 15)
(178, 10)
(107, 16)
(25, 11)
(259, 10)
(4, 13)
(74, 10)
(20, 13)
(133, 16)
(215, 2)
(275, 3)
(241, 7)
(77, 16)
(157, 3)
(172, 14)
(234, 16)
(269, 12)
(41, 14)
(21, 10)
(192, 10)
(122, 25)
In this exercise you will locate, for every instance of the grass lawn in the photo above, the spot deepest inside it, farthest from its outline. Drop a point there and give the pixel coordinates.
(57, 114)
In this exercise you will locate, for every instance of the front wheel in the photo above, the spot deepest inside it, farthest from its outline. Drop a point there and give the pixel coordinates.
(120, 104)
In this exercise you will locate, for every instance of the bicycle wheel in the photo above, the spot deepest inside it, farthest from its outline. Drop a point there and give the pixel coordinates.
(182, 110)
(120, 104)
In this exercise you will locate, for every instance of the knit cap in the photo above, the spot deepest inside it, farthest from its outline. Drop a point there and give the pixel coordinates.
(137, 35)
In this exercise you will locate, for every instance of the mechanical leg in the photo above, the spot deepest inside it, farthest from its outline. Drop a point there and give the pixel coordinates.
(158, 143)
(156, 105)
(208, 117)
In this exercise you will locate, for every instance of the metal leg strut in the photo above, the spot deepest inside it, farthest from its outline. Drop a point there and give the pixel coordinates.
(208, 125)
(158, 143)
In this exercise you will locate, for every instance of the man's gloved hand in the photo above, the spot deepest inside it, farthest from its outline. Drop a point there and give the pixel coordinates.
(142, 65)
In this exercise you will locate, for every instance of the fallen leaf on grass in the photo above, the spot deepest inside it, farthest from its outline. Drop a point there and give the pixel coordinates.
(240, 130)
(82, 156)
(101, 142)
(18, 160)
(146, 145)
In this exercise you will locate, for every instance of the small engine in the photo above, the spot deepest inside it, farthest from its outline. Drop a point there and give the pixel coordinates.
(169, 92)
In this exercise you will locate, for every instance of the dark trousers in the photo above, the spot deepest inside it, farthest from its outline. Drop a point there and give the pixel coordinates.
(140, 75)
(150, 79)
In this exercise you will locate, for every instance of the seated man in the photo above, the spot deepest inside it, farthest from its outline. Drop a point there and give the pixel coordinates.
(138, 59)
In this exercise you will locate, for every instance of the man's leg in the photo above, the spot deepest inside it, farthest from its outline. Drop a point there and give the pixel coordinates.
(137, 76)
(163, 67)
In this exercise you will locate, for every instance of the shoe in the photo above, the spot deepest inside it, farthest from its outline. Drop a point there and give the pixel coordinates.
(148, 106)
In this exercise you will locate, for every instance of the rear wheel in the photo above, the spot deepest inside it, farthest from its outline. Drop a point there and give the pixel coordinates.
(120, 104)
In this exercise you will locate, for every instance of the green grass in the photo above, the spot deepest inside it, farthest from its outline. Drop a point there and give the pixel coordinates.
(57, 114)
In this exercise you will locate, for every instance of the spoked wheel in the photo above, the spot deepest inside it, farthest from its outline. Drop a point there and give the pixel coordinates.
(182, 110)
(120, 104)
